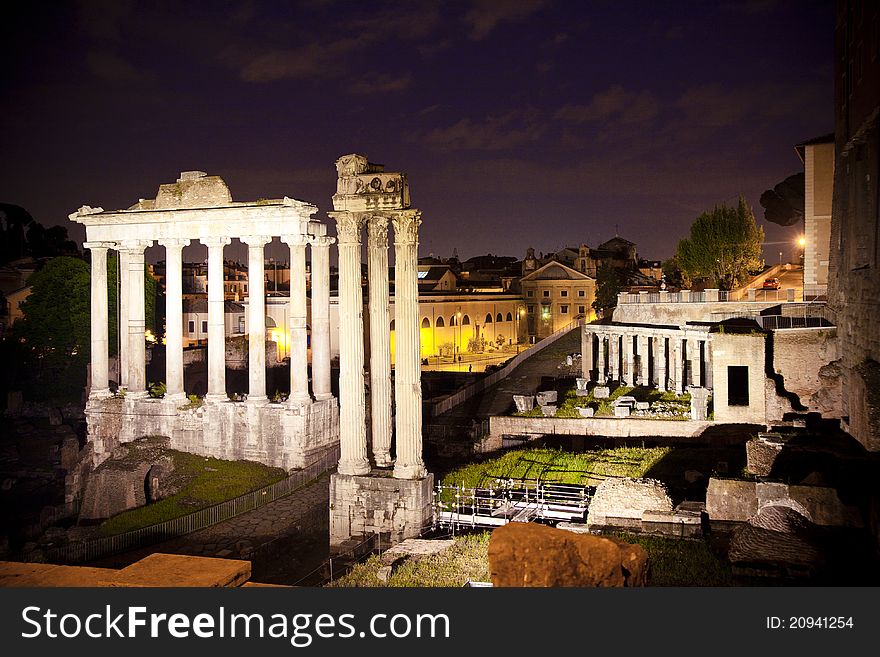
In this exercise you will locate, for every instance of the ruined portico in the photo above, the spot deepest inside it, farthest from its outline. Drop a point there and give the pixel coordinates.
(198, 207)
(372, 498)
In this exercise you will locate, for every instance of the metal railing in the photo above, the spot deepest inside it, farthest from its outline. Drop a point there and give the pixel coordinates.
(100, 547)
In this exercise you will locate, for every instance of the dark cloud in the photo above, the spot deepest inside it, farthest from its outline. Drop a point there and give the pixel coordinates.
(494, 133)
(485, 15)
(380, 83)
(614, 103)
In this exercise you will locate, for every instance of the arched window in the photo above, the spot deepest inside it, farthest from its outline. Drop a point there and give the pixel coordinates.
(488, 319)
(465, 321)
(509, 317)
(452, 321)
(439, 323)
(392, 325)
(426, 323)
(499, 318)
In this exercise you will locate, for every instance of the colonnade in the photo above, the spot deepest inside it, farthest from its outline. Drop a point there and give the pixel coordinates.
(132, 356)
(354, 458)
(666, 358)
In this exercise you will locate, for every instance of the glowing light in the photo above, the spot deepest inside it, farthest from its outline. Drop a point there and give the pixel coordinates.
(149, 337)
(802, 241)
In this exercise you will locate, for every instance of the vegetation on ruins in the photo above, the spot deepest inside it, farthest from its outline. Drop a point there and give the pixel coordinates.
(208, 481)
(673, 562)
(724, 246)
(664, 405)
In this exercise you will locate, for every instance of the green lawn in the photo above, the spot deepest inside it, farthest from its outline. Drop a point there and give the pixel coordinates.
(672, 562)
(209, 481)
(586, 469)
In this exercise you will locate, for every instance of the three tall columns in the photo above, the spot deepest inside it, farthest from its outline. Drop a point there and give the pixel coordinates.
(407, 380)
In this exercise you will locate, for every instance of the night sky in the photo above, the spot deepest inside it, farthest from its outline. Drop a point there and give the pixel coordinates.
(533, 123)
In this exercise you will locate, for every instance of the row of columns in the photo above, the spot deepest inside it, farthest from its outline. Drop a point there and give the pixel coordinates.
(687, 357)
(132, 353)
(354, 458)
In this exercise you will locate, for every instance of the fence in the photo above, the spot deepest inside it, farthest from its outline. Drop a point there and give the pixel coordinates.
(94, 549)
(488, 381)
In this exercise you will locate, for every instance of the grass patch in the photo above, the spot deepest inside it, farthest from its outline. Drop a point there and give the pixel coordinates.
(209, 481)
(556, 465)
(570, 402)
(672, 562)
(466, 559)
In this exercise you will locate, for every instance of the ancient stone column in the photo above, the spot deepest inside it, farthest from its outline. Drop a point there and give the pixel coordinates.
(693, 349)
(256, 318)
(122, 326)
(660, 362)
(137, 354)
(676, 365)
(710, 379)
(216, 320)
(321, 317)
(644, 377)
(380, 348)
(614, 356)
(587, 353)
(407, 376)
(174, 317)
(299, 349)
(630, 376)
(99, 329)
(603, 373)
(352, 419)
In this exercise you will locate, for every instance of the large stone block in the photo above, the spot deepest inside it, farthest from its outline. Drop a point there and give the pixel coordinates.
(627, 499)
(546, 397)
(601, 392)
(731, 499)
(524, 403)
(528, 554)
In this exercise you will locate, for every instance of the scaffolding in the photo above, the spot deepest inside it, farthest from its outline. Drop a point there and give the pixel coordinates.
(510, 500)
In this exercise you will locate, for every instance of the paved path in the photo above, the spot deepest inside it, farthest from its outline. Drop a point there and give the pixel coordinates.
(243, 536)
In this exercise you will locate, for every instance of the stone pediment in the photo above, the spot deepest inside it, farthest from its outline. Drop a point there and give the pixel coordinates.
(556, 271)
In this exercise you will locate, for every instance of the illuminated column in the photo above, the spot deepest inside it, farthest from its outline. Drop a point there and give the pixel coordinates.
(710, 380)
(603, 374)
(380, 349)
(216, 320)
(614, 356)
(299, 349)
(660, 362)
(630, 376)
(137, 354)
(321, 317)
(99, 342)
(644, 378)
(352, 419)
(122, 326)
(693, 350)
(407, 377)
(256, 318)
(676, 364)
(174, 317)
(586, 353)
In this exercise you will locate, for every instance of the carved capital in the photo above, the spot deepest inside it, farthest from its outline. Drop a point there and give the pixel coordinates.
(406, 226)
(348, 227)
(295, 240)
(377, 231)
(99, 245)
(213, 242)
(174, 242)
(321, 241)
(135, 246)
(256, 241)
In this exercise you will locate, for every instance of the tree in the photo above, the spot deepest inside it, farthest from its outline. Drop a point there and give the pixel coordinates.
(724, 246)
(609, 283)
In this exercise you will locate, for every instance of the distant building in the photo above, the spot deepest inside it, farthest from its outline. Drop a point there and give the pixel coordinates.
(554, 296)
(195, 320)
(817, 156)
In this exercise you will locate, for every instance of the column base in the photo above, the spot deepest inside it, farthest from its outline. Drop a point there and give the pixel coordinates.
(100, 393)
(175, 396)
(409, 471)
(257, 400)
(213, 398)
(353, 468)
(383, 459)
(378, 504)
(323, 396)
(136, 394)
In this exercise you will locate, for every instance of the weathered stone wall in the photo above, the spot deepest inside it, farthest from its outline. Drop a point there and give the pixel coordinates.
(237, 353)
(379, 504)
(678, 314)
(760, 456)
(806, 359)
(729, 349)
(538, 427)
(274, 434)
(739, 500)
(627, 499)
